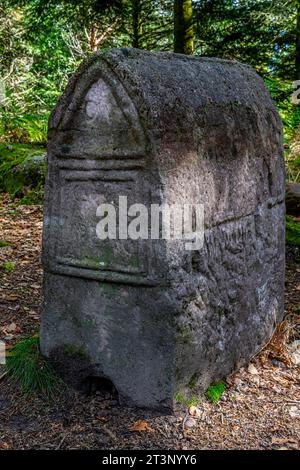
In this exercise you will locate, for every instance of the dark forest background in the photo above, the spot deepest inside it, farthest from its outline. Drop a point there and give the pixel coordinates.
(42, 43)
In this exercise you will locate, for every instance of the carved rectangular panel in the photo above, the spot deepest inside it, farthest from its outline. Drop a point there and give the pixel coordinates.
(78, 250)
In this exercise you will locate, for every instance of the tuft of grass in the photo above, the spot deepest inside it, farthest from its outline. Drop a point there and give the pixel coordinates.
(8, 266)
(292, 231)
(27, 367)
(215, 391)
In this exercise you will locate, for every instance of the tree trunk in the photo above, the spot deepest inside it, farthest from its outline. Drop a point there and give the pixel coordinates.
(93, 39)
(183, 27)
(136, 16)
(297, 61)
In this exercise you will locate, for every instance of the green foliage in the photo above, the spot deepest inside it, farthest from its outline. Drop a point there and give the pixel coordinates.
(281, 92)
(8, 266)
(215, 391)
(33, 197)
(24, 128)
(290, 114)
(291, 119)
(22, 171)
(292, 231)
(34, 68)
(30, 369)
(258, 32)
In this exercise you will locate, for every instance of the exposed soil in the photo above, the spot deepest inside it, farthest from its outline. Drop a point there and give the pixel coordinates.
(260, 408)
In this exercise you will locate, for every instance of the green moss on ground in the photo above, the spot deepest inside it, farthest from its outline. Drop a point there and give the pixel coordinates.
(8, 266)
(22, 171)
(215, 391)
(4, 244)
(292, 231)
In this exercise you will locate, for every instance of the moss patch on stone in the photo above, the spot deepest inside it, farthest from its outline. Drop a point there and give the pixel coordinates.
(185, 400)
(74, 351)
(184, 334)
(193, 382)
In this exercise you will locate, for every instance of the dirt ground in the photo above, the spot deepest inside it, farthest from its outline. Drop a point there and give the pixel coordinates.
(260, 408)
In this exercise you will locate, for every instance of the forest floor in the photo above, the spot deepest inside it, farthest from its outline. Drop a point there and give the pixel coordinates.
(260, 408)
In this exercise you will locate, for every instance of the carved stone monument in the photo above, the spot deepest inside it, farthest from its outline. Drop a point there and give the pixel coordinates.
(149, 315)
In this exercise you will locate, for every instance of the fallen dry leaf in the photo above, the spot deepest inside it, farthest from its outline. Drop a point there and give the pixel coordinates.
(277, 346)
(294, 412)
(194, 411)
(280, 440)
(4, 445)
(10, 328)
(141, 426)
(252, 369)
(11, 297)
(294, 350)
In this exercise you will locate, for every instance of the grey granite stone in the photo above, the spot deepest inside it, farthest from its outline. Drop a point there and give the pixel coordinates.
(150, 316)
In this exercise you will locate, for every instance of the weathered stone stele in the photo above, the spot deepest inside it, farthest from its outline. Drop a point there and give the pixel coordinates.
(150, 316)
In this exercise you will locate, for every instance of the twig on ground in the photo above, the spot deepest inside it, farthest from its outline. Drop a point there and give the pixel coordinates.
(3, 375)
(61, 442)
(109, 432)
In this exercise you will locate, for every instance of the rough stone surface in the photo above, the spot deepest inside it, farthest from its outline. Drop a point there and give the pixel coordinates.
(150, 316)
